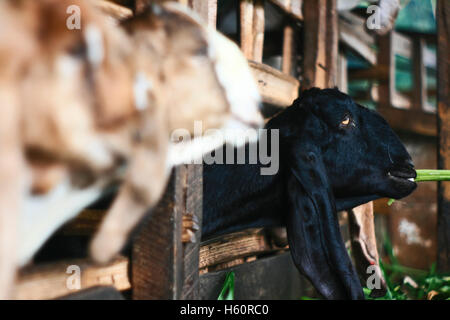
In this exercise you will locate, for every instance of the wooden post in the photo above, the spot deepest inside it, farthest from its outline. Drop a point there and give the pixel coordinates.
(194, 205)
(288, 49)
(386, 63)
(162, 266)
(321, 43)
(157, 254)
(207, 9)
(258, 30)
(246, 27)
(342, 72)
(251, 28)
(443, 67)
(419, 99)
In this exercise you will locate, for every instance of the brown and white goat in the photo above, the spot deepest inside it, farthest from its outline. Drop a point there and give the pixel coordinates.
(96, 105)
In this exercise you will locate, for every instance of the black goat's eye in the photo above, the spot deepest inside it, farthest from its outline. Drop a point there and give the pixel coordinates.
(346, 121)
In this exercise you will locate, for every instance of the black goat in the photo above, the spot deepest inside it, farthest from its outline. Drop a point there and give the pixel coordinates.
(334, 155)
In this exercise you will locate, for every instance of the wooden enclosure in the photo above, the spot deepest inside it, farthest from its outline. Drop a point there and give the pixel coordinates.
(160, 265)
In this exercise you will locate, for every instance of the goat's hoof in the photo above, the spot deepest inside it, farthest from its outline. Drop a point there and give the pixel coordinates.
(190, 225)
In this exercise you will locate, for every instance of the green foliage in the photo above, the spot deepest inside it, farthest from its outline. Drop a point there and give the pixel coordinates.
(405, 283)
(227, 292)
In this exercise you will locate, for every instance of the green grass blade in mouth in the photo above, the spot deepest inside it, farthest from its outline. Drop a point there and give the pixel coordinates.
(429, 175)
(432, 175)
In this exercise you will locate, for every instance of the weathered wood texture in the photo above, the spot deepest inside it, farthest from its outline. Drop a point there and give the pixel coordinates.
(191, 251)
(49, 281)
(443, 20)
(163, 267)
(321, 43)
(388, 95)
(251, 26)
(258, 30)
(288, 50)
(85, 224)
(268, 278)
(274, 86)
(404, 116)
(419, 99)
(157, 253)
(246, 27)
(217, 253)
(353, 34)
(207, 9)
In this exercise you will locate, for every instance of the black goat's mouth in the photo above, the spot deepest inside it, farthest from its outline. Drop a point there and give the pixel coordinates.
(403, 175)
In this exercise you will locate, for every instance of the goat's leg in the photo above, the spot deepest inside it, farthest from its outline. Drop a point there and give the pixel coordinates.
(144, 185)
(11, 188)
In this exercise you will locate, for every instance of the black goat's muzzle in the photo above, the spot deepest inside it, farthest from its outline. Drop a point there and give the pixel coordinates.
(402, 177)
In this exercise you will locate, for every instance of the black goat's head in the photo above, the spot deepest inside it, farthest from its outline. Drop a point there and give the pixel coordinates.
(363, 156)
(339, 155)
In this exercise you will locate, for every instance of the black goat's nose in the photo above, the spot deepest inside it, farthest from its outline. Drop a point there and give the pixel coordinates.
(409, 163)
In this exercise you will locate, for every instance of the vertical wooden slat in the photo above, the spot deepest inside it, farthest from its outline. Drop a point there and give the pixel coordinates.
(342, 72)
(420, 75)
(194, 187)
(321, 43)
(288, 49)
(258, 30)
(157, 253)
(332, 42)
(386, 62)
(194, 204)
(443, 67)
(207, 9)
(246, 27)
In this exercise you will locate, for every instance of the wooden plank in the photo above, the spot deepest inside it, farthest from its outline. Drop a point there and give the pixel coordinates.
(207, 9)
(258, 30)
(246, 27)
(410, 120)
(251, 26)
(49, 281)
(233, 246)
(387, 94)
(191, 251)
(342, 73)
(288, 49)
(332, 43)
(274, 86)
(443, 67)
(419, 75)
(291, 7)
(157, 253)
(163, 267)
(85, 224)
(353, 34)
(320, 38)
(273, 277)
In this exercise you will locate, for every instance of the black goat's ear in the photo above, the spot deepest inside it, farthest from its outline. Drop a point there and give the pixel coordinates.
(314, 237)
